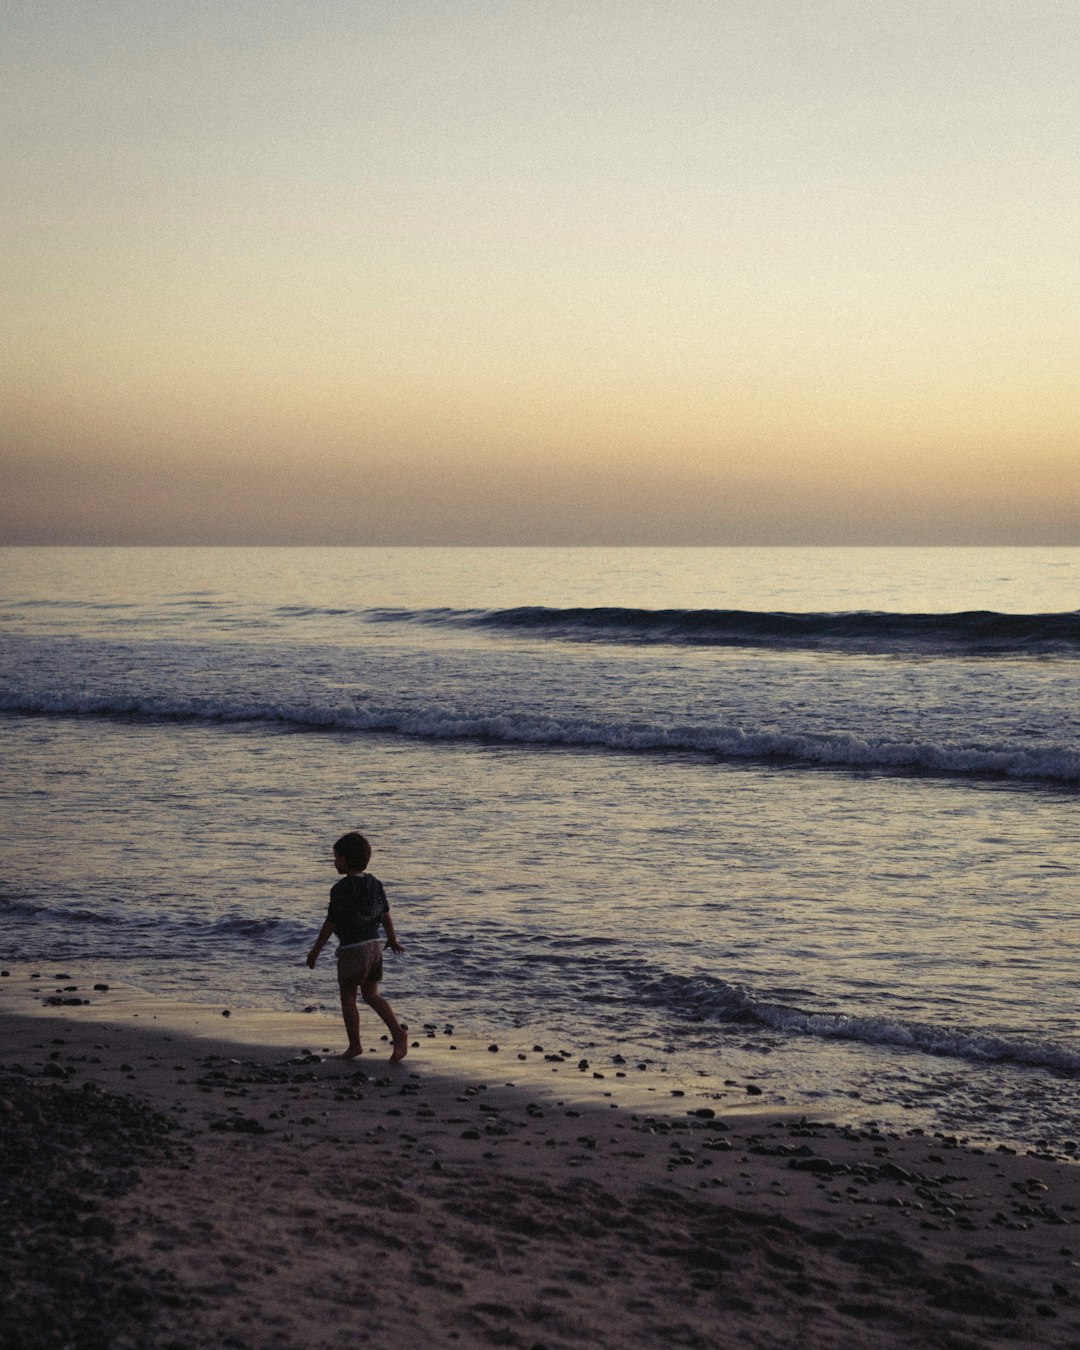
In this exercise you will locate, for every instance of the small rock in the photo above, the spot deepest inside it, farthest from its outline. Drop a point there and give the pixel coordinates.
(246, 1125)
(815, 1165)
(894, 1172)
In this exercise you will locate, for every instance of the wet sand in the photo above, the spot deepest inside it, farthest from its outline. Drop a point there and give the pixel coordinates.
(175, 1177)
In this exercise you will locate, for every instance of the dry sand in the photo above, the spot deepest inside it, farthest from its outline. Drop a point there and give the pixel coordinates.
(176, 1178)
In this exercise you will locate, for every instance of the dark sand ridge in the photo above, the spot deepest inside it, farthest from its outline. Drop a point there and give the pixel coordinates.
(472, 1197)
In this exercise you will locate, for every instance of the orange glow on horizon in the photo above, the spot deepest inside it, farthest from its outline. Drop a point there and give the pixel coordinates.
(795, 274)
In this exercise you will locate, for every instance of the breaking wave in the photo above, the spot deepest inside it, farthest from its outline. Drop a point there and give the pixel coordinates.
(702, 998)
(838, 749)
(972, 632)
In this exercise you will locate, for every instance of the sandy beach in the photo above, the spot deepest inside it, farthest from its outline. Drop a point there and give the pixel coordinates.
(178, 1177)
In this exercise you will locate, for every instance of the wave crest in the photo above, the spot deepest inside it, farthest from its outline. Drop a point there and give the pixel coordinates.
(704, 998)
(972, 632)
(844, 750)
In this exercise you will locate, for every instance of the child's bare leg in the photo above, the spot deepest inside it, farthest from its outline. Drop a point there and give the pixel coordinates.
(377, 1003)
(351, 1013)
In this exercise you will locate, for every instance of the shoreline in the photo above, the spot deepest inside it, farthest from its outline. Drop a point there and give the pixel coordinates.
(508, 1196)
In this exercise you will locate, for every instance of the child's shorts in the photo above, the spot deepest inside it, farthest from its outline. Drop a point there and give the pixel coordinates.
(360, 965)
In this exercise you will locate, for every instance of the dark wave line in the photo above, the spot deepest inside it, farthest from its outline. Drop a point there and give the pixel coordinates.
(705, 998)
(971, 631)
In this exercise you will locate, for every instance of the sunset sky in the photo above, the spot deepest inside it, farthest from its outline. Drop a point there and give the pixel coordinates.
(539, 271)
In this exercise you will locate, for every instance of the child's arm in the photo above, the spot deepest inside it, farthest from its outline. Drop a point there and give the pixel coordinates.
(326, 932)
(391, 936)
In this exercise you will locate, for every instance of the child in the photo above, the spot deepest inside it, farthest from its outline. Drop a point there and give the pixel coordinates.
(358, 908)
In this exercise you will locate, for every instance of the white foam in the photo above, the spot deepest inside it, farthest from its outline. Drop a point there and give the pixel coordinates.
(837, 749)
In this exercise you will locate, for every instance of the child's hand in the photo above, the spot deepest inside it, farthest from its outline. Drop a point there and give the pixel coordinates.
(395, 946)
(312, 957)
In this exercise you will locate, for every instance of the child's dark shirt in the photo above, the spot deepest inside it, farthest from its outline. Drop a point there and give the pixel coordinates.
(357, 906)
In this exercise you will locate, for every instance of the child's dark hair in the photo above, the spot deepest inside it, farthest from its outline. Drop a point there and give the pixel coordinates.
(354, 849)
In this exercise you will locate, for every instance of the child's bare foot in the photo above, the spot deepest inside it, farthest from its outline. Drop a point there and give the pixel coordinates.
(401, 1047)
(352, 1052)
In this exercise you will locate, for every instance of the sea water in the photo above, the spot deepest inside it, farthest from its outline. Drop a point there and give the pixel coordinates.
(802, 819)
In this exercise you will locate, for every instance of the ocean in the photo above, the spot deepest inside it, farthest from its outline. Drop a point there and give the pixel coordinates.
(801, 819)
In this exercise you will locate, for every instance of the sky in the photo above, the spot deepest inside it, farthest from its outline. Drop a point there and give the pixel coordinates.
(539, 272)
